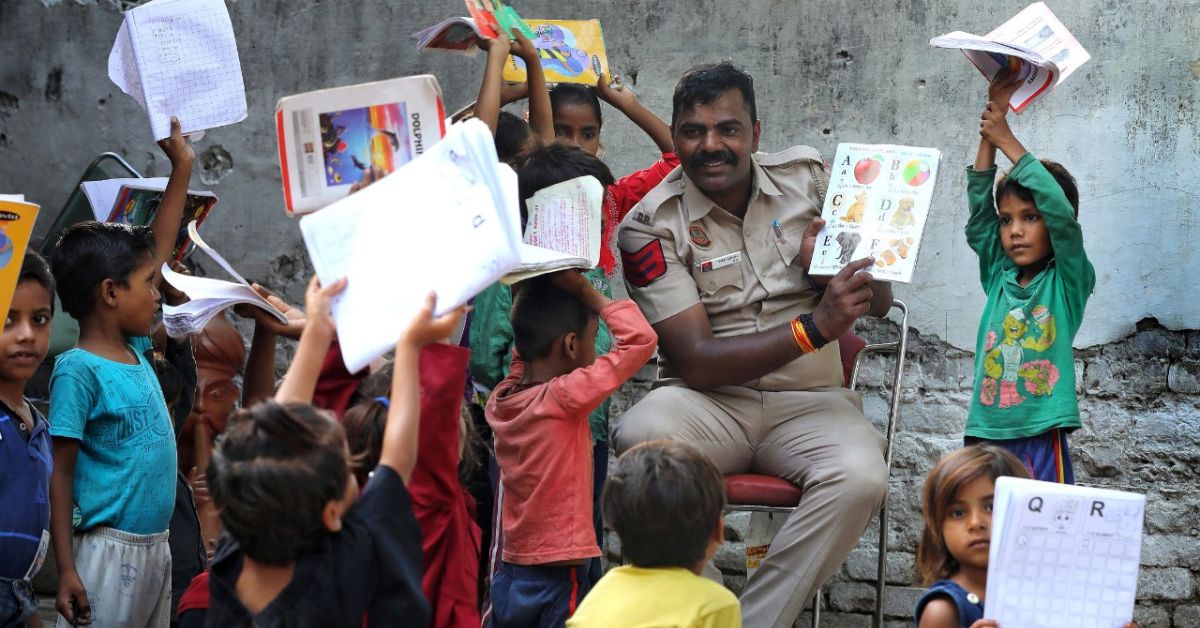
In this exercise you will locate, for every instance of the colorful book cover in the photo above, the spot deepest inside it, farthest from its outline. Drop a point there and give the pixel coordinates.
(876, 205)
(16, 225)
(137, 206)
(571, 51)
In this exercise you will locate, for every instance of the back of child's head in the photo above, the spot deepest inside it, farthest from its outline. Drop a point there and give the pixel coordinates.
(565, 94)
(512, 138)
(1007, 186)
(364, 424)
(90, 252)
(554, 163)
(541, 314)
(272, 474)
(954, 471)
(706, 83)
(34, 268)
(664, 499)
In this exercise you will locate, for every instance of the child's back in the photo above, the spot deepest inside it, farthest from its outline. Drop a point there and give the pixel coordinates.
(664, 499)
(543, 442)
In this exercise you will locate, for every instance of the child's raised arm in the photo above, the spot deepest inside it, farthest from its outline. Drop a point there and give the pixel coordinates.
(993, 124)
(301, 379)
(399, 450)
(627, 103)
(541, 116)
(487, 106)
(170, 210)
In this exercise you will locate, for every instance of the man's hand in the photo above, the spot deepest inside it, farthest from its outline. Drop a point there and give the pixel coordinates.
(72, 600)
(808, 243)
(177, 147)
(846, 298)
(291, 329)
(426, 329)
(616, 93)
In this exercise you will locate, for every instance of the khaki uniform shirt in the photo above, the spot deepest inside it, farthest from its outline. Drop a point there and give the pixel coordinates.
(679, 249)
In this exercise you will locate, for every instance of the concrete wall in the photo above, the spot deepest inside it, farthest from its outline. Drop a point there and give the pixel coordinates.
(826, 72)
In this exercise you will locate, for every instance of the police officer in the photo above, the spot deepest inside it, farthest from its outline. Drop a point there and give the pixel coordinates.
(749, 369)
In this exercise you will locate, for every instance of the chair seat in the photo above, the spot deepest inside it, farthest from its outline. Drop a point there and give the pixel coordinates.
(749, 489)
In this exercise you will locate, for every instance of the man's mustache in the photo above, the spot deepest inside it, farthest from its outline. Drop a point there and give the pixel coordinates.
(724, 156)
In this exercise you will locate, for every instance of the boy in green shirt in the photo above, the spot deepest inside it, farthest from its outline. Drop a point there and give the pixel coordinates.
(1038, 279)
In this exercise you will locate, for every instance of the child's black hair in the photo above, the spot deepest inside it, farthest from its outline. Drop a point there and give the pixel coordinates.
(563, 94)
(512, 136)
(1007, 186)
(34, 268)
(169, 379)
(90, 252)
(272, 474)
(664, 499)
(554, 163)
(706, 83)
(364, 424)
(541, 314)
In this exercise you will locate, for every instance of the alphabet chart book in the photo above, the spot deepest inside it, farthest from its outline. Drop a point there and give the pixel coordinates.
(878, 198)
(179, 58)
(1063, 555)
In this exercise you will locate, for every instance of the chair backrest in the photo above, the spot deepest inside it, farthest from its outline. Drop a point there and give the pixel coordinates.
(64, 330)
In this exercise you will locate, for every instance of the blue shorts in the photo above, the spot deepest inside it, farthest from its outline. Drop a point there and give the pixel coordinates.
(529, 596)
(1046, 456)
(18, 603)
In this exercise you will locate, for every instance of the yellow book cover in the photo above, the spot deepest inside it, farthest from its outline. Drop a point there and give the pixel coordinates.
(572, 51)
(16, 225)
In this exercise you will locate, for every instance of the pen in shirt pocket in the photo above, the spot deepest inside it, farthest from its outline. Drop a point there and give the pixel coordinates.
(778, 232)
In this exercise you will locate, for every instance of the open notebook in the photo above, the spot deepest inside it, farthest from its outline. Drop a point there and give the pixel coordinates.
(209, 296)
(563, 229)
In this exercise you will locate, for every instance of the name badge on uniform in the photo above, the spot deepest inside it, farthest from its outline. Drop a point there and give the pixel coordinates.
(721, 262)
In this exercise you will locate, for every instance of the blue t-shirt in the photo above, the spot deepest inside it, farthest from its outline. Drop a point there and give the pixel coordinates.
(125, 472)
(970, 608)
(24, 492)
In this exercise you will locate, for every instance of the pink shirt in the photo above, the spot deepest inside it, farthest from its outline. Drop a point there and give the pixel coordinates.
(544, 445)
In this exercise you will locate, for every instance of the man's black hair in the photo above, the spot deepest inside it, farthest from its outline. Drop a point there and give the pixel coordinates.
(554, 163)
(541, 314)
(664, 499)
(34, 268)
(706, 83)
(272, 474)
(512, 134)
(90, 252)
(1065, 181)
(563, 94)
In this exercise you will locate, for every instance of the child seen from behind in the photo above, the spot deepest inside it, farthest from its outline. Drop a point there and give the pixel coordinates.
(664, 499)
(1038, 279)
(543, 441)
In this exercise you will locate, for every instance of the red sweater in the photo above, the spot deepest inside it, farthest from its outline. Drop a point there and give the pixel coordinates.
(622, 196)
(544, 445)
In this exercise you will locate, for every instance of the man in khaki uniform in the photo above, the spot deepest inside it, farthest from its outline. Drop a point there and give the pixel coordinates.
(716, 258)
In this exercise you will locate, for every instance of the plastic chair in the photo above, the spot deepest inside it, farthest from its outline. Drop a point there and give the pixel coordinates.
(764, 493)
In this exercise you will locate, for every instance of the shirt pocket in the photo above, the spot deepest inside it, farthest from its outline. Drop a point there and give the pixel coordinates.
(788, 246)
(710, 282)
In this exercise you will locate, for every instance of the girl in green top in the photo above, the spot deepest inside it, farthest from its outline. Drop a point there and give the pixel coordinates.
(1038, 279)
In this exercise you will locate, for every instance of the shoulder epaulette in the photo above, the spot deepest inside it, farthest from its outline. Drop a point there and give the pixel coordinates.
(670, 187)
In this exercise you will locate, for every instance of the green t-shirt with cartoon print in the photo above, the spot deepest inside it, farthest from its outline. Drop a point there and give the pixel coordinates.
(1024, 363)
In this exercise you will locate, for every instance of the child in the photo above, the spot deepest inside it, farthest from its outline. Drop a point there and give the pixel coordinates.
(1038, 279)
(664, 499)
(303, 548)
(24, 443)
(442, 506)
(114, 447)
(952, 554)
(543, 441)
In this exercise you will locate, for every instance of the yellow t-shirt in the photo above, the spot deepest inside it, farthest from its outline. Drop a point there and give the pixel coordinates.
(670, 597)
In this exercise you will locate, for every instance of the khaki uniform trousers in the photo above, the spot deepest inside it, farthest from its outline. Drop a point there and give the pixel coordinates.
(818, 439)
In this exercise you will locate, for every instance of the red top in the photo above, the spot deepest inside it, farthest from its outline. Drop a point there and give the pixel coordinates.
(335, 385)
(622, 196)
(544, 445)
(449, 534)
